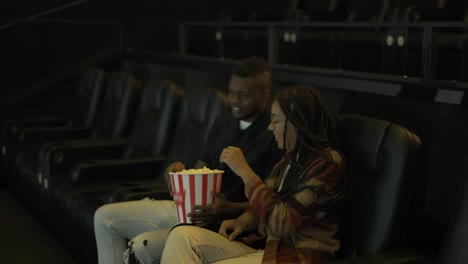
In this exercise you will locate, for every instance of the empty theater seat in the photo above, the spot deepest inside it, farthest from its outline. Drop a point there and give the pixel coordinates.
(88, 99)
(454, 250)
(200, 107)
(141, 156)
(113, 120)
(383, 157)
(150, 137)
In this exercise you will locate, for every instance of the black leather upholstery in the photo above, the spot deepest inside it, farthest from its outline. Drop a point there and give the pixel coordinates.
(140, 157)
(33, 178)
(454, 249)
(198, 111)
(192, 128)
(383, 157)
(113, 119)
(88, 98)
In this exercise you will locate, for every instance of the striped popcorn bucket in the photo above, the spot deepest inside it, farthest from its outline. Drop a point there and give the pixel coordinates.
(191, 189)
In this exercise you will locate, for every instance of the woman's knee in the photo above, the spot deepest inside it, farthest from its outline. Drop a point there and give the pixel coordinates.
(182, 235)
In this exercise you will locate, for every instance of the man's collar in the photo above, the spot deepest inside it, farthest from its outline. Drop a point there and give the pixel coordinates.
(243, 125)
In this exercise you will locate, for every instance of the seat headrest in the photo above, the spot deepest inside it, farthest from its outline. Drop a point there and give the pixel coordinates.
(91, 80)
(154, 99)
(200, 101)
(118, 85)
(357, 131)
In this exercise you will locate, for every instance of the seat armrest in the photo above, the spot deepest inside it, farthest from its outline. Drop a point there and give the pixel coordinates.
(393, 256)
(60, 133)
(153, 189)
(57, 160)
(15, 126)
(11, 128)
(157, 194)
(38, 122)
(131, 169)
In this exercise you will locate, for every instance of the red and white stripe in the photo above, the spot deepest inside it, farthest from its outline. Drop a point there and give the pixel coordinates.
(193, 189)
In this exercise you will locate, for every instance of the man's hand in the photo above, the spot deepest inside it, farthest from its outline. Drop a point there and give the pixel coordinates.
(173, 167)
(231, 229)
(203, 215)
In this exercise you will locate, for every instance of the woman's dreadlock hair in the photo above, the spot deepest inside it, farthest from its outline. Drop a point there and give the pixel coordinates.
(305, 109)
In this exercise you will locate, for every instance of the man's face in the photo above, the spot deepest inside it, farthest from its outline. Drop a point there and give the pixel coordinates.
(247, 97)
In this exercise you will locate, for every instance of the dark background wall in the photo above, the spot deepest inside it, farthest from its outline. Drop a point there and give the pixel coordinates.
(35, 49)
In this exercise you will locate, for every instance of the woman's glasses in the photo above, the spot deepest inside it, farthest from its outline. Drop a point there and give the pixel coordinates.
(274, 122)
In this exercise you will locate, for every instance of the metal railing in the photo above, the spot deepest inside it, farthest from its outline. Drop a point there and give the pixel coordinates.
(395, 34)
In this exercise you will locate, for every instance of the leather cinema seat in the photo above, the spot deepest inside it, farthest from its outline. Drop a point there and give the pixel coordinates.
(383, 158)
(113, 121)
(198, 110)
(88, 99)
(140, 158)
(454, 250)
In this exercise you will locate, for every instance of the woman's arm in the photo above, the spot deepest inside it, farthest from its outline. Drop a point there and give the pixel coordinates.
(284, 217)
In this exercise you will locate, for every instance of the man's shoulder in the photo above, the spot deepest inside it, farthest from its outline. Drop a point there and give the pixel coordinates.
(225, 121)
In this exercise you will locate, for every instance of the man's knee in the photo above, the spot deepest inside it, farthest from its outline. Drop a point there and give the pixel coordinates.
(103, 214)
(147, 247)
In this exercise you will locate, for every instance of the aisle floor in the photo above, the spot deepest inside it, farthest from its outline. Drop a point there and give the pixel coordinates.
(24, 241)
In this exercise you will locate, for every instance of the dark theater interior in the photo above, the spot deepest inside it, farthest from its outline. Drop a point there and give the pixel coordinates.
(97, 96)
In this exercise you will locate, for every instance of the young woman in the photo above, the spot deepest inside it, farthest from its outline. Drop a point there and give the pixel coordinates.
(296, 210)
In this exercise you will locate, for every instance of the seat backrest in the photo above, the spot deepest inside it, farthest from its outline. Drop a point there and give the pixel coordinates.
(89, 95)
(115, 117)
(156, 116)
(200, 108)
(454, 250)
(383, 157)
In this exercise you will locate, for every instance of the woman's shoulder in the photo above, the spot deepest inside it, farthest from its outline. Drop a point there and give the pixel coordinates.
(330, 160)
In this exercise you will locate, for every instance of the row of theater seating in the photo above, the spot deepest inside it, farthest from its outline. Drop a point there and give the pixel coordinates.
(128, 133)
(396, 51)
(130, 130)
(353, 10)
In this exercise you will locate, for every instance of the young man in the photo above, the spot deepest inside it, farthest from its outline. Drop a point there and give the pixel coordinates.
(148, 221)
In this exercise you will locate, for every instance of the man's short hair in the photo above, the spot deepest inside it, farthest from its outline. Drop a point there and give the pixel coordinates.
(253, 66)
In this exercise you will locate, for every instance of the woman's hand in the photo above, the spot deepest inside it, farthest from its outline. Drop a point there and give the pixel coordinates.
(231, 229)
(203, 215)
(234, 158)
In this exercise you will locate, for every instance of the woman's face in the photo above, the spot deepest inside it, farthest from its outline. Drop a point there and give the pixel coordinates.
(277, 125)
